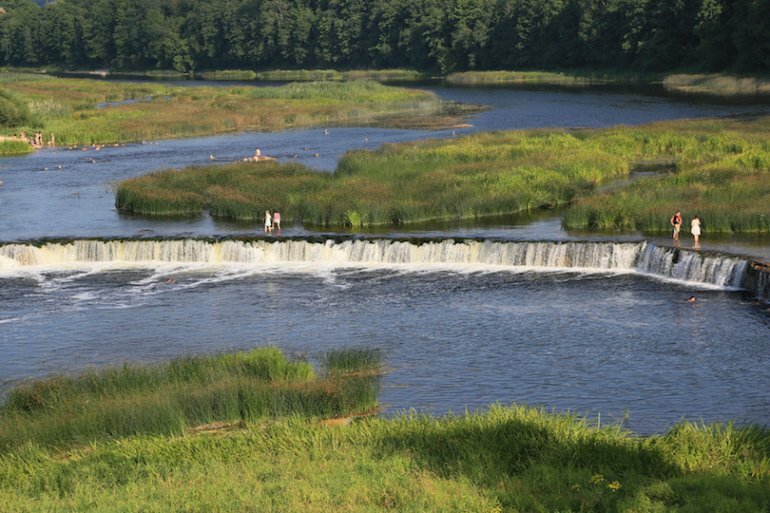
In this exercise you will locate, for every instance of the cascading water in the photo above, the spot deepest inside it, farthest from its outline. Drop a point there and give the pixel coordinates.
(670, 263)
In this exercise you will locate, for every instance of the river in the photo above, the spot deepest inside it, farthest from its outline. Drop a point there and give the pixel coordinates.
(595, 339)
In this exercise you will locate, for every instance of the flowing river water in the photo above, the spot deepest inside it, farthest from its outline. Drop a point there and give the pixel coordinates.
(515, 310)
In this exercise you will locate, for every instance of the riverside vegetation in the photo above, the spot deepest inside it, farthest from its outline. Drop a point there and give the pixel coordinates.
(170, 398)
(83, 111)
(717, 168)
(125, 439)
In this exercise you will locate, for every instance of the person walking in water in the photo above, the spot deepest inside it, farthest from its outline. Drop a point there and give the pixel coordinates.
(695, 230)
(268, 222)
(676, 222)
(277, 221)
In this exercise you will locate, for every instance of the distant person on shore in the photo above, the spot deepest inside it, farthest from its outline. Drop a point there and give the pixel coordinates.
(268, 222)
(695, 230)
(676, 222)
(52, 142)
(277, 221)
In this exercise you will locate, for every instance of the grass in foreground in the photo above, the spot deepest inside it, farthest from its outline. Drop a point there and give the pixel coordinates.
(514, 459)
(75, 109)
(719, 169)
(171, 397)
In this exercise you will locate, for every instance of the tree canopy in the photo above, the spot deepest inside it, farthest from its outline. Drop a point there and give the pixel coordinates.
(430, 35)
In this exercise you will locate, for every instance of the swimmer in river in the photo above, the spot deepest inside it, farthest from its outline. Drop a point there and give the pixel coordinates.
(692, 299)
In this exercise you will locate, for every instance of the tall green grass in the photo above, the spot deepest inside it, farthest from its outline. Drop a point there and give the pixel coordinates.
(168, 398)
(10, 147)
(508, 459)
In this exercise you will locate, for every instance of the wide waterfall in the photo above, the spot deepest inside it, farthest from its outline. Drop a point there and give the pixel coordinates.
(643, 257)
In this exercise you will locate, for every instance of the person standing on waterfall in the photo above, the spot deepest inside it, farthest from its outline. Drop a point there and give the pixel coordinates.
(268, 222)
(277, 221)
(676, 222)
(695, 230)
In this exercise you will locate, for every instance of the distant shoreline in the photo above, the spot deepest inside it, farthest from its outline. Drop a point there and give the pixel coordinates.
(712, 84)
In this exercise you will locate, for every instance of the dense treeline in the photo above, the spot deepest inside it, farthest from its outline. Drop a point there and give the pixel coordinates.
(436, 35)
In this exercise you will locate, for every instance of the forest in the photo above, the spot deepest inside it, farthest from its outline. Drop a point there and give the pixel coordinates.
(437, 36)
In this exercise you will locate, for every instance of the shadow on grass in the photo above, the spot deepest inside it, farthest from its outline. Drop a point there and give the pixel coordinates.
(533, 461)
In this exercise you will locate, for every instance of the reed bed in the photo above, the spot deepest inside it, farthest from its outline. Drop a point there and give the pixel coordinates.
(168, 398)
(382, 75)
(75, 109)
(506, 459)
(570, 78)
(717, 84)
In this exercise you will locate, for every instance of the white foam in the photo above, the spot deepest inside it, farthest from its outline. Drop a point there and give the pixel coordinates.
(234, 259)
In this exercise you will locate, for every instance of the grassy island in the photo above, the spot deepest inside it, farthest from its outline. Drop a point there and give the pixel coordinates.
(87, 111)
(245, 432)
(719, 169)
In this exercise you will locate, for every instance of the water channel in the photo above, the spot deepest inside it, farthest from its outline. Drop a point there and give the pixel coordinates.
(590, 327)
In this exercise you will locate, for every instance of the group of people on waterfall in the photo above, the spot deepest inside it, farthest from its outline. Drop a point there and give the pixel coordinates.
(695, 227)
(272, 222)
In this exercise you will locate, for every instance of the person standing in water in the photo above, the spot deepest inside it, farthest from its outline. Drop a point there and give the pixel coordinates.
(676, 222)
(277, 220)
(268, 222)
(695, 230)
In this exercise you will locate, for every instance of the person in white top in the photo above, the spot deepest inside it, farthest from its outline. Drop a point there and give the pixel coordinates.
(695, 230)
(268, 222)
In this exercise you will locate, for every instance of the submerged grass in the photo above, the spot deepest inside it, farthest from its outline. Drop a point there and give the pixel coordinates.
(75, 109)
(168, 398)
(508, 459)
(719, 169)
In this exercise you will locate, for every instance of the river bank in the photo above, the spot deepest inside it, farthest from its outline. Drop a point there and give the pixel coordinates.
(87, 111)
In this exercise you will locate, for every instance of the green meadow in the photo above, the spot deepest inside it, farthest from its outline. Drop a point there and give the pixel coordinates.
(719, 169)
(85, 111)
(508, 459)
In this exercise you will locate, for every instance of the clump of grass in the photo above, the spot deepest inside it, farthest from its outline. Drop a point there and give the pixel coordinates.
(167, 398)
(10, 147)
(229, 74)
(505, 459)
